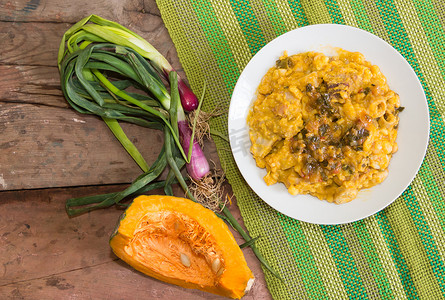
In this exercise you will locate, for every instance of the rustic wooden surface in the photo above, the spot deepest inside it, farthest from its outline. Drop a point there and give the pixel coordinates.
(49, 153)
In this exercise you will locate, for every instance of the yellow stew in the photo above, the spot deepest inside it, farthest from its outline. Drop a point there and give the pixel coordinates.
(324, 126)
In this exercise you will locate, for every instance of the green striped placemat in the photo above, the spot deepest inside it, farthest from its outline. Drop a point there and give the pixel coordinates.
(397, 253)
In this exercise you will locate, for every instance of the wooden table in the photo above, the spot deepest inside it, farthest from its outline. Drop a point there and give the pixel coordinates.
(49, 153)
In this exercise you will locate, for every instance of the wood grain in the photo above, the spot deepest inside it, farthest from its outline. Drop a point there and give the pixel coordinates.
(31, 30)
(49, 153)
(46, 143)
(32, 44)
(53, 147)
(54, 11)
(26, 84)
(46, 255)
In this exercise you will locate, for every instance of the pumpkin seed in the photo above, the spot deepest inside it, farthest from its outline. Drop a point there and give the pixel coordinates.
(249, 285)
(216, 264)
(221, 270)
(185, 260)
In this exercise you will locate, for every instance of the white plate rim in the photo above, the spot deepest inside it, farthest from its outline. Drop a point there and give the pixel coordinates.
(323, 38)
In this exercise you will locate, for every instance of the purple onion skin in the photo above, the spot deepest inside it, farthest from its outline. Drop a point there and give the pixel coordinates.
(189, 100)
(198, 166)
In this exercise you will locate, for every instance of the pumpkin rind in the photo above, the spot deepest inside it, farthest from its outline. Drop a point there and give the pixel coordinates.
(181, 242)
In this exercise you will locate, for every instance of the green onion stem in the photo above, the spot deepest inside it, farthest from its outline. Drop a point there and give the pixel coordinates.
(247, 238)
(73, 41)
(130, 99)
(175, 102)
(125, 96)
(114, 198)
(147, 79)
(173, 166)
(215, 132)
(249, 243)
(84, 95)
(105, 200)
(198, 109)
(114, 126)
(227, 214)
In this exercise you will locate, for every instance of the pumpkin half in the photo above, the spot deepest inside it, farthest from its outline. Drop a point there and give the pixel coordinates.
(181, 242)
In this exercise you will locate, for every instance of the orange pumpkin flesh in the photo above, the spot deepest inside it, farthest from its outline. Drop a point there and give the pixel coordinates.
(181, 242)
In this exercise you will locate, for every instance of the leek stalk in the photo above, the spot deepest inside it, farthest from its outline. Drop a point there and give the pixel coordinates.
(94, 29)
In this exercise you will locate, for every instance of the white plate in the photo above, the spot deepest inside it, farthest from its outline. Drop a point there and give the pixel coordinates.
(412, 137)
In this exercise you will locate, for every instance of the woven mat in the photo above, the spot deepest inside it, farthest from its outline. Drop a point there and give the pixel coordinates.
(397, 253)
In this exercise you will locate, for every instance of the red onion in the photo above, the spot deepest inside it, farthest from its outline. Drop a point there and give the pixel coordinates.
(198, 166)
(189, 100)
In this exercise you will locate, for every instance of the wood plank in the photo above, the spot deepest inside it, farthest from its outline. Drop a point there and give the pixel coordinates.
(30, 76)
(31, 85)
(48, 11)
(45, 146)
(34, 44)
(46, 255)
(28, 61)
(31, 36)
